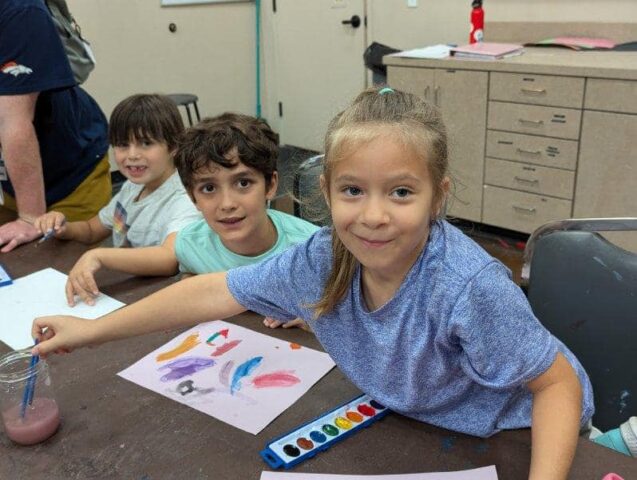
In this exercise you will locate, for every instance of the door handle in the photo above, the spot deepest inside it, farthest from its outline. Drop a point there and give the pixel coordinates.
(355, 21)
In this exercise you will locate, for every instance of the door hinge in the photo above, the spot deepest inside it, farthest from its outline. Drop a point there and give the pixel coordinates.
(280, 109)
(274, 6)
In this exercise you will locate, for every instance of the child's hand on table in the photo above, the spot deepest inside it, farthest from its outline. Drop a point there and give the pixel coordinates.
(297, 322)
(81, 279)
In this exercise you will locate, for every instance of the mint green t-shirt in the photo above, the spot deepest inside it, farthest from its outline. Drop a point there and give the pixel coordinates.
(199, 249)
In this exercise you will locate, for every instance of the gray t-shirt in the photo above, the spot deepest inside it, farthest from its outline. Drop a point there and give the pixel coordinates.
(454, 347)
(149, 221)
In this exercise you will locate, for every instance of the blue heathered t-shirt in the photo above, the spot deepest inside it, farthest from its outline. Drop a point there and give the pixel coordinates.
(454, 347)
(70, 127)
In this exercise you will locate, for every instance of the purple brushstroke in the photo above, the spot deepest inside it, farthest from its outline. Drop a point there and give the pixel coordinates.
(184, 367)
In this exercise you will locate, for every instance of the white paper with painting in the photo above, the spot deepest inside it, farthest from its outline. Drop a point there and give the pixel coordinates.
(234, 374)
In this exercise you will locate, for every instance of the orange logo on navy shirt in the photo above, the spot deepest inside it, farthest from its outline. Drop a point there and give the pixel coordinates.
(15, 69)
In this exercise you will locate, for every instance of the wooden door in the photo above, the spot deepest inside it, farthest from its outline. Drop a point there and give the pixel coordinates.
(319, 64)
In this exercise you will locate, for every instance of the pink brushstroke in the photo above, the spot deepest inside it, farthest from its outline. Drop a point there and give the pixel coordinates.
(225, 348)
(281, 378)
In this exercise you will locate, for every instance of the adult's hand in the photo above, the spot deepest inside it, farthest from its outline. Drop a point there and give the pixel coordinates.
(16, 233)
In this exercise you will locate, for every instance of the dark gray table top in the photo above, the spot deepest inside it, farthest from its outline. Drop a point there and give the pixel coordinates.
(112, 428)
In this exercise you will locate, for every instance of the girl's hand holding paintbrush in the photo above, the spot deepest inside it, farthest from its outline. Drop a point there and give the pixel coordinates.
(61, 334)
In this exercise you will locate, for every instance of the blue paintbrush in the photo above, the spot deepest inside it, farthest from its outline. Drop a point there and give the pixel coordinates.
(47, 235)
(27, 397)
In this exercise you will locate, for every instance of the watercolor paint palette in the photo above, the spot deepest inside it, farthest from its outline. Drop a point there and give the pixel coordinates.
(321, 433)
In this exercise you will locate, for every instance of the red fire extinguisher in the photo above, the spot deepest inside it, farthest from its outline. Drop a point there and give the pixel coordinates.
(477, 22)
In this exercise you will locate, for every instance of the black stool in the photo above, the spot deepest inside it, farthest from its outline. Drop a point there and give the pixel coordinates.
(185, 100)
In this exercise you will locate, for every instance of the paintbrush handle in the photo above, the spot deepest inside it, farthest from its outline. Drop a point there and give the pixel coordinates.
(32, 379)
(27, 396)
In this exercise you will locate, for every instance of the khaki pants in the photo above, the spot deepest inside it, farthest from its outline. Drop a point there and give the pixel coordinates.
(81, 204)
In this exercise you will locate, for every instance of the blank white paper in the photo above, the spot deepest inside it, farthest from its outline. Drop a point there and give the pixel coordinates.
(484, 473)
(37, 295)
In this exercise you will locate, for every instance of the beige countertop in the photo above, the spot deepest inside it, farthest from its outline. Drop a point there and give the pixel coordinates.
(552, 61)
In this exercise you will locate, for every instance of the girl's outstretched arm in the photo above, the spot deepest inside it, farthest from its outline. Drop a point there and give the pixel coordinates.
(557, 408)
(191, 301)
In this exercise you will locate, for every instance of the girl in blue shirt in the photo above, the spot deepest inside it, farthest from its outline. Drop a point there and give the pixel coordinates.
(411, 310)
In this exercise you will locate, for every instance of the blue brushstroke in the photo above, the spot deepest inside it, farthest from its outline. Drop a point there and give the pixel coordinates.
(243, 370)
(184, 367)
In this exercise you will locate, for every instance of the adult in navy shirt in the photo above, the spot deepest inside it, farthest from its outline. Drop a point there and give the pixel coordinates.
(53, 136)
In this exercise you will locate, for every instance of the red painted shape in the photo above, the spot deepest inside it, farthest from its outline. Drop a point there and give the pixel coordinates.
(225, 348)
(281, 378)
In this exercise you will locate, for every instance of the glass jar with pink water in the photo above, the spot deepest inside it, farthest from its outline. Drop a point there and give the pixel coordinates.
(30, 413)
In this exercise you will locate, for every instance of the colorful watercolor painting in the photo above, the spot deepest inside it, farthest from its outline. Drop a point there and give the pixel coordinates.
(234, 374)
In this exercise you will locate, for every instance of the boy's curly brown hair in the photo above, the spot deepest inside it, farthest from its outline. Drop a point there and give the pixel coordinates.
(213, 139)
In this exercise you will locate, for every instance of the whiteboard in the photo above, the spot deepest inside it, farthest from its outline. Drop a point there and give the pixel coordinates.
(165, 3)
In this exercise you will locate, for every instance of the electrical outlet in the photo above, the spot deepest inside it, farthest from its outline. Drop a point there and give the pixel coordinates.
(412, 3)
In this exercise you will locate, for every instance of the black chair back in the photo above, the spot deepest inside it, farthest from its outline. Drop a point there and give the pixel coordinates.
(584, 290)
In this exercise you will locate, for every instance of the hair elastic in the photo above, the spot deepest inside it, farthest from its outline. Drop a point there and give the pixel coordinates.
(385, 90)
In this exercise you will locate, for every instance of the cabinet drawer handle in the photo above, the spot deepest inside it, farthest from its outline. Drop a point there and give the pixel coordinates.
(437, 96)
(536, 123)
(529, 152)
(533, 91)
(524, 209)
(526, 180)
(427, 93)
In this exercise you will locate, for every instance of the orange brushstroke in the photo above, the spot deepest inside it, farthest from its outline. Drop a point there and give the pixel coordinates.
(189, 343)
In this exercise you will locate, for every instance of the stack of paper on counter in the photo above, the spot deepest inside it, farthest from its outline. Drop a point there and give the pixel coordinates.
(487, 50)
(576, 43)
(433, 51)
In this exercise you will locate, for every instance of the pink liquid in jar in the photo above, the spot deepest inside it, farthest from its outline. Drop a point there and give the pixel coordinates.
(40, 421)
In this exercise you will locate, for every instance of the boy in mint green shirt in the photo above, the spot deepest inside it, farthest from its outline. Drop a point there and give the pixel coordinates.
(228, 167)
(200, 249)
